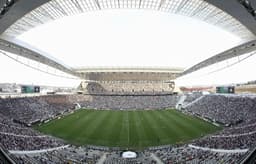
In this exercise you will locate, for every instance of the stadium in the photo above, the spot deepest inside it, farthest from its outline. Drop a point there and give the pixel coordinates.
(119, 113)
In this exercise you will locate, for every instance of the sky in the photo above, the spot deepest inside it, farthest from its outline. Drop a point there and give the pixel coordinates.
(129, 38)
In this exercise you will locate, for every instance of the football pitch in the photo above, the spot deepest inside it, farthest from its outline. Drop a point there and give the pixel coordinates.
(127, 129)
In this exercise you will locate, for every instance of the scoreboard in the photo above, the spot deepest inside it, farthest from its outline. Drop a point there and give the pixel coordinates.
(225, 89)
(30, 89)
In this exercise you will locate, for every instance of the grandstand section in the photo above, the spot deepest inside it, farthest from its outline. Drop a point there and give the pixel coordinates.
(29, 145)
(127, 88)
(128, 81)
(226, 109)
(236, 112)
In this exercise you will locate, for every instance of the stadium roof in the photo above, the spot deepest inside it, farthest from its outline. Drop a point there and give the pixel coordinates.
(230, 15)
(17, 17)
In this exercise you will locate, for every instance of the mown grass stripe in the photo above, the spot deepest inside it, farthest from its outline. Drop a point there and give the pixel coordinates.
(155, 132)
(109, 128)
(183, 123)
(133, 129)
(139, 129)
(172, 130)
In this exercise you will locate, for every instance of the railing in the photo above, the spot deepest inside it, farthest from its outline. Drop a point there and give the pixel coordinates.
(250, 158)
(4, 157)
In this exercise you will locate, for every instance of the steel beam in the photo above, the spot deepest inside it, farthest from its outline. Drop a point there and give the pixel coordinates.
(233, 52)
(33, 55)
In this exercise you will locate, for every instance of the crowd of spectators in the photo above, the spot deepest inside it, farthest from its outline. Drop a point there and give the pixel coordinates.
(31, 109)
(131, 102)
(174, 155)
(73, 154)
(142, 158)
(14, 136)
(16, 113)
(128, 88)
(28, 110)
(225, 109)
(191, 97)
(242, 129)
(188, 155)
(70, 154)
(237, 111)
(228, 142)
(13, 142)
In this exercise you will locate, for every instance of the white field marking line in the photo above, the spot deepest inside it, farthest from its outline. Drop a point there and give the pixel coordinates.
(128, 133)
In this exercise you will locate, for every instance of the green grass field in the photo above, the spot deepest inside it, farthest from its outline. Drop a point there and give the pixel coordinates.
(127, 129)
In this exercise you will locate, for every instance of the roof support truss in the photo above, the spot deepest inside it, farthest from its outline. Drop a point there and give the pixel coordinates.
(233, 52)
(33, 55)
